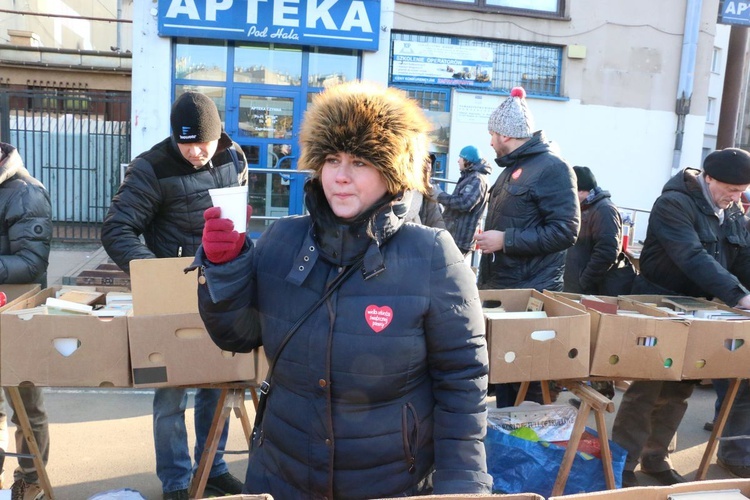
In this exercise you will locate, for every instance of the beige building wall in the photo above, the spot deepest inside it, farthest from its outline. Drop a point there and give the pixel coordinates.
(617, 112)
(64, 32)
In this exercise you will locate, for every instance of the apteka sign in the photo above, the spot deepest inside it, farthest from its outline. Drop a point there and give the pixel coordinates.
(352, 24)
(735, 12)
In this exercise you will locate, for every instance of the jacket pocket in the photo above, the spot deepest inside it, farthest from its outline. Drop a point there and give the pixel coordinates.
(410, 435)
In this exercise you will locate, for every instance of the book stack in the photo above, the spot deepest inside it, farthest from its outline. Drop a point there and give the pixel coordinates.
(81, 301)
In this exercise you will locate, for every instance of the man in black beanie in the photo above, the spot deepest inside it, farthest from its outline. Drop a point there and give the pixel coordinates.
(162, 198)
(697, 244)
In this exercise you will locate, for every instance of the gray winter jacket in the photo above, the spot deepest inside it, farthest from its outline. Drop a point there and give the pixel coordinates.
(163, 198)
(26, 216)
(383, 384)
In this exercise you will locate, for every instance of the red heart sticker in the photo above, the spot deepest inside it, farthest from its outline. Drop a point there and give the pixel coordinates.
(378, 317)
(515, 175)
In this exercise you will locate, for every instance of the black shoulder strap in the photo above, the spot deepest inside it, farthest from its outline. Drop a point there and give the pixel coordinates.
(235, 159)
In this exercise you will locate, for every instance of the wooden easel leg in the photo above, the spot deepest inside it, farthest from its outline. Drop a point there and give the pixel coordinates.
(28, 434)
(198, 485)
(522, 390)
(571, 449)
(721, 420)
(606, 453)
(241, 412)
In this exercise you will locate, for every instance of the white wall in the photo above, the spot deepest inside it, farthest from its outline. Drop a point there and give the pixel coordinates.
(151, 81)
(375, 64)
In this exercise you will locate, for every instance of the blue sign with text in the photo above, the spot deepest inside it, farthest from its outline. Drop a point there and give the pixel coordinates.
(735, 12)
(352, 24)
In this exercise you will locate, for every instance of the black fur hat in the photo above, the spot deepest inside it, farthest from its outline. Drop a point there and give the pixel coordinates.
(378, 124)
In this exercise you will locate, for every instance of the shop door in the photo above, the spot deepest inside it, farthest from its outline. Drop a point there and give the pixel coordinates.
(265, 124)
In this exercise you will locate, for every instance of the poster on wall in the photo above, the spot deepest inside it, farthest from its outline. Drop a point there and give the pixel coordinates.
(441, 64)
(470, 113)
(734, 12)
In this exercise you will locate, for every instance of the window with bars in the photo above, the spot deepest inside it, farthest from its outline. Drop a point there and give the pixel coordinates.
(537, 68)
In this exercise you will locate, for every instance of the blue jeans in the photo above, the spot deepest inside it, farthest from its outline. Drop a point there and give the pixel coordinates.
(738, 424)
(173, 464)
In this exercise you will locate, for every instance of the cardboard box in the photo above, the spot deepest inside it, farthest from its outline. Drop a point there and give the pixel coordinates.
(169, 345)
(30, 351)
(648, 345)
(527, 349)
(715, 348)
(247, 497)
(662, 492)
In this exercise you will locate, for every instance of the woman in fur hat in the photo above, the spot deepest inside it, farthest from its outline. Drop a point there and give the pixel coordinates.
(381, 390)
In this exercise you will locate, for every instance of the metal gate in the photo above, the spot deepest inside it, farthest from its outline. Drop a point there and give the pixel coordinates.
(73, 141)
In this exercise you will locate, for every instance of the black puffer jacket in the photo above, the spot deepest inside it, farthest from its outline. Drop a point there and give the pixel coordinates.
(687, 251)
(26, 217)
(598, 245)
(355, 410)
(534, 201)
(163, 198)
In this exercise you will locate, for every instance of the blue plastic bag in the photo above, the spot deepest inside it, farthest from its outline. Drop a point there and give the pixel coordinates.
(521, 466)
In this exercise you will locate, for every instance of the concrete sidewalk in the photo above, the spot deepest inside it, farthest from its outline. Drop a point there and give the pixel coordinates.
(67, 260)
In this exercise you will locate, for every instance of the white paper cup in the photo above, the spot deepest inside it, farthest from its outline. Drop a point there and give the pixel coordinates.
(233, 204)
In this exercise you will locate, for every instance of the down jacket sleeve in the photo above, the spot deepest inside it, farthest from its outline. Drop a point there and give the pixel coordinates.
(225, 300)
(458, 360)
(29, 228)
(132, 209)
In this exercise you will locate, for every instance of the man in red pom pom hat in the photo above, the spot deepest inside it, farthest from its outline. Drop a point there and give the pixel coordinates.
(533, 214)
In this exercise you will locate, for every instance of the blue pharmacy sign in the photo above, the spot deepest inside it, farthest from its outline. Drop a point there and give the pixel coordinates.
(735, 12)
(352, 24)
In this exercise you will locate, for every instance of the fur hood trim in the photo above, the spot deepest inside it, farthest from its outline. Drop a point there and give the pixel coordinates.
(378, 124)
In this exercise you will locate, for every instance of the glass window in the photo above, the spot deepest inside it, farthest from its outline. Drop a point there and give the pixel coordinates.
(530, 7)
(266, 117)
(537, 68)
(268, 64)
(217, 94)
(331, 66)
(204, 60)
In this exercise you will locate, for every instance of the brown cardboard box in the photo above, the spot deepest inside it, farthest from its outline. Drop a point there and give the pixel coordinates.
(248, 497)
(621, 346)
(715, 348)
(28, 352)
(515, 353)
(662, 492)
(169, 345)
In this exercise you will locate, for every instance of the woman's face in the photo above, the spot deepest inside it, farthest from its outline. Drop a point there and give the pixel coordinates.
(351, 184)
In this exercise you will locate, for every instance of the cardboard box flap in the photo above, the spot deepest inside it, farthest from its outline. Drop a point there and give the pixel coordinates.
(161, 286)
(661, 492)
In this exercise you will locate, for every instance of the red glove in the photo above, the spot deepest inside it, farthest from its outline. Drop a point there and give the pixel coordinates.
(221, 242)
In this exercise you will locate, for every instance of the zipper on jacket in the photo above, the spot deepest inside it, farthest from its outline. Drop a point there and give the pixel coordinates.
(179, 251)
(410, 436)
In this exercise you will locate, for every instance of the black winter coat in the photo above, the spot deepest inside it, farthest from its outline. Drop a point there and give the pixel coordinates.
(598, 245)
(26, 229)
(687, 251)
(534, 201)
(384, 383)
(163, 198)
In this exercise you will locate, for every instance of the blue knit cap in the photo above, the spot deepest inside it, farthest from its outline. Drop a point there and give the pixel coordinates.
(470, 154)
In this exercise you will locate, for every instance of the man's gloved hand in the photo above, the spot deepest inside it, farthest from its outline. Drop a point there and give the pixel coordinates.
(221, 242)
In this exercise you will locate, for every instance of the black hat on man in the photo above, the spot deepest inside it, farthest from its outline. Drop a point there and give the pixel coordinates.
(731, 166)
(586, 179)
(194, 118)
